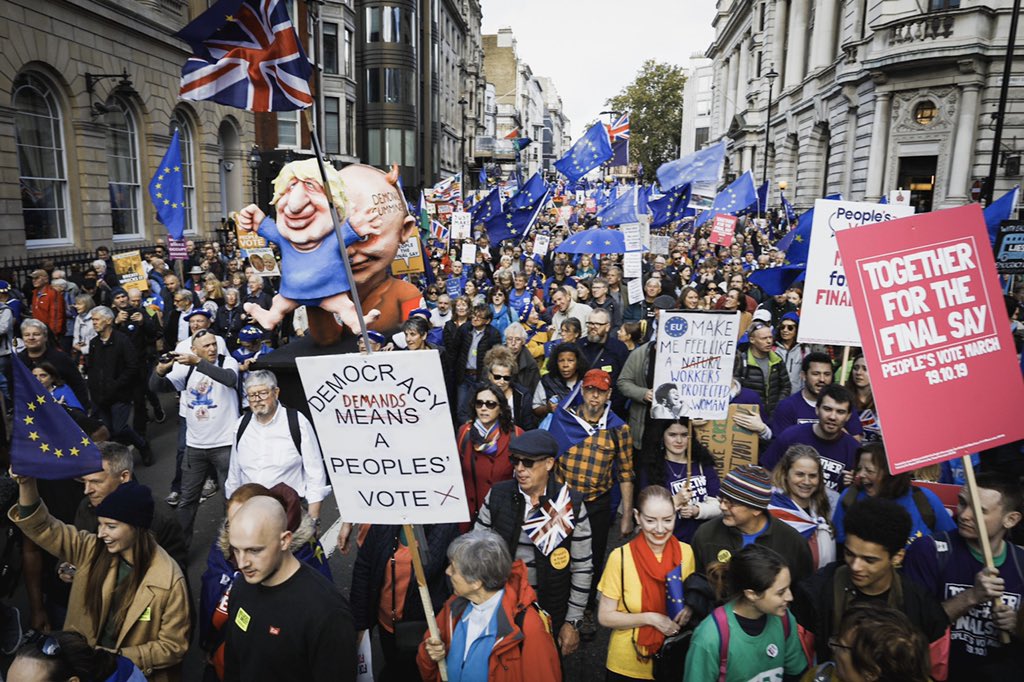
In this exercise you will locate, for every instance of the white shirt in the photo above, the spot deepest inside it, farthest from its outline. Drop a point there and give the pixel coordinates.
(185, 346)
(439, 320)
(183, 324)
(479, 618)
(266, 455)
(210, 407)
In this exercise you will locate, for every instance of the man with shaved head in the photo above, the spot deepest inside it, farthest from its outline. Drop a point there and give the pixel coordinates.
(285, 620)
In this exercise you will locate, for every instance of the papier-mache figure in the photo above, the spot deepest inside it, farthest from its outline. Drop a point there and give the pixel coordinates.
(312, 271)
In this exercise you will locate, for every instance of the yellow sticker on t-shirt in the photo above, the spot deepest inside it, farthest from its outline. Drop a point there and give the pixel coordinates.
(724, 556)
(242, 620)
(560, 558)
(146, 616)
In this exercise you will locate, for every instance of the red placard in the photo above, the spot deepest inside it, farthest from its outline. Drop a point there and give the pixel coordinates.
(723, 227)
(936, 336)
(591, 205)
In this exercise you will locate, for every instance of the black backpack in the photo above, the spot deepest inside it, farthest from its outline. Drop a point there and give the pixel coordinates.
(293, 427)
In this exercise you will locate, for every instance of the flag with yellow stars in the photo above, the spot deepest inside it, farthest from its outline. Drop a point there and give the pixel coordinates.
(167, 190)
(589, 152)
(46, 442)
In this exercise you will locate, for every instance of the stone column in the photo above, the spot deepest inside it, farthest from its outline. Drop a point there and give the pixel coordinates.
(746, 159)
(796, 55)
(879, 145)
(743, 78)
(730, 90)
(966, 128)
(779, 36)
(823, 40)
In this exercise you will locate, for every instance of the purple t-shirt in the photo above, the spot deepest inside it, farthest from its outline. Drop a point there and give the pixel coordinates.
(796, 410)
(836, 455)
(703, 484)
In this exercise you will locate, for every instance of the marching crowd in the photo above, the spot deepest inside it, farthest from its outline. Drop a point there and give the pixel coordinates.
(814, 564)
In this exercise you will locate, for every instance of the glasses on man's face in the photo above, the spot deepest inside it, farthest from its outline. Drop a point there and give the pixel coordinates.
(597, 324)
(527, 463)
(489, 404)
(259, 395)
(501, 377)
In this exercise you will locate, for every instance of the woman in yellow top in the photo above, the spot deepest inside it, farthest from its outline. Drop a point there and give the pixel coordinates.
(633, 588)
(128, 595)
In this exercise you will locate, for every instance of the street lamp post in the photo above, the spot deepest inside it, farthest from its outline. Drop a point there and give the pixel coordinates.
(462, 154)
(771, 76)
(254, 167)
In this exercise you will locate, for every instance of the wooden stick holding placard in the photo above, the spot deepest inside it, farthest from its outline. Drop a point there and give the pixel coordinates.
(689, 458)
(843, 365)
(421, 580)
(979, 522)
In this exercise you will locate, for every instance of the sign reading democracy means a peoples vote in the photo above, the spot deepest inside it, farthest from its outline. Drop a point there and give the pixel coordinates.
(386, 430)
(693, 364)
(826, 315)
(936, 336)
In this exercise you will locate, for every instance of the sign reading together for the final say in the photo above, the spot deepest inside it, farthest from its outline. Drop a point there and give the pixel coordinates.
(386, 433)
(935, 334)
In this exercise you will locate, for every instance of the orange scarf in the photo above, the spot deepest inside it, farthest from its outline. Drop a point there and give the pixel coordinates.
(653, 574)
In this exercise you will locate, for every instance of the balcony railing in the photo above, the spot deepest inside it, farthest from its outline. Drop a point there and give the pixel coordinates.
(922, 29)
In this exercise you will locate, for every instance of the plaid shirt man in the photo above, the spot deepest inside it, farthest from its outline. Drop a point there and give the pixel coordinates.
(587, 466)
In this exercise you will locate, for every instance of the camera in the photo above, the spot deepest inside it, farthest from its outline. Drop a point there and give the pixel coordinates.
(167, 357)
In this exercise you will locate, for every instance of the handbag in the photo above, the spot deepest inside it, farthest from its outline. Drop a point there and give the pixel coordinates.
(670, 660)
(408, 633)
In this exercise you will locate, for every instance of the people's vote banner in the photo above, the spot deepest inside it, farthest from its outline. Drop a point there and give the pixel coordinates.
(936, 336)
(723, 229)
(694, 358)
(826, 315)
(263, 262)
(409, 259)
(385, 426)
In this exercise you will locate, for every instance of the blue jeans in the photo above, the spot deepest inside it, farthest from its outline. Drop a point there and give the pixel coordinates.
(193, 475)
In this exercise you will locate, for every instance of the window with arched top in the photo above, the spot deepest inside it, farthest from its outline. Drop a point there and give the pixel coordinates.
(123, 170)
(42, 169)
(185, 137)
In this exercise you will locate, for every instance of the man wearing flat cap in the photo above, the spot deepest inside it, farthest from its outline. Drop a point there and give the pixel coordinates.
(544, 523)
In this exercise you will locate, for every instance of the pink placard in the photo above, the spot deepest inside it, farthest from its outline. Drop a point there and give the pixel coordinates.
(936, 336)
(723, 228)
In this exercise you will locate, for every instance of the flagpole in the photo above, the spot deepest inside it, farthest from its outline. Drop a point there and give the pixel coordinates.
(354, 290)
(536, 212)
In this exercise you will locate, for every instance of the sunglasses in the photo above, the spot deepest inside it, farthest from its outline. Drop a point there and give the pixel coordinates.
(788, 327)
(527, 463)
(501, 377)
(489, 404)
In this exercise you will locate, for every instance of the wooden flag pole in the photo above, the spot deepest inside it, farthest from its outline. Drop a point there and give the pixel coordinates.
(979, 523)
(843, 366)
(421, 580)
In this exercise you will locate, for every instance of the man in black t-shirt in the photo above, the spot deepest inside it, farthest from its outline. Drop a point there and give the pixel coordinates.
(285, 620)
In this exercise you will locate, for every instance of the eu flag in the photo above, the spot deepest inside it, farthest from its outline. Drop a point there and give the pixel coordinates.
(167, 190)
(621, 211)
(512, 223)
(486, 208)
(670, 207)
(530, 193)
(47, 443)
(736, 197)
(999, 210)
(589, 152)
(797, 242)
(788, 208)
(701, 166)
(570, 430)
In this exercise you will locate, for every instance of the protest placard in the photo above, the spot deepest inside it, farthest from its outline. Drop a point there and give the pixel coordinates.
(645, 229)
(659, 244)
(826, 315)
(632, 236)
(899, 197)
(468, 255)
(591, 205)
(1009, 248)
(248, 240)
(635, 290)
(386, 432)
(632, 265)
(723, 229)
(694, 357)
(264, 263)
(461, 225)
(944, 374)
(541, 242)
(453, 287)
(581, 196)
(176, 248)
(564, 214)
(409, 259)
(129, 270)
(730, 444)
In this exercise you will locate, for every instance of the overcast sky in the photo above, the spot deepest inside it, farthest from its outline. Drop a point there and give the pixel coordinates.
(593, 48)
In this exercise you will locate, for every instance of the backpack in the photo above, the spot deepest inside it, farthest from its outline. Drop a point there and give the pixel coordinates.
(293, 427)
(722, 623)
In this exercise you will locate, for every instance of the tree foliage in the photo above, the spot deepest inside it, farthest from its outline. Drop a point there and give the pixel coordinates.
(654, 101)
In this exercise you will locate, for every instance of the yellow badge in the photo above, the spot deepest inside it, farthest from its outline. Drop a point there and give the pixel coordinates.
(724, 556)
(560, 558)
(146, 616)
(607, 368)
(242, 620)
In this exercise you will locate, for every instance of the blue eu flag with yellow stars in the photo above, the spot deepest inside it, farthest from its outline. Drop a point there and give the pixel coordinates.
(589, 152)
(671, 207)
(486, 208)
(46, 442)
(739, 195)
(530, 193)
(167, 190)
(513, 223)
(674, 603)
(625, 209)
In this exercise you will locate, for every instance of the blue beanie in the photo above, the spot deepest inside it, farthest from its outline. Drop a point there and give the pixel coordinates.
(250, 333)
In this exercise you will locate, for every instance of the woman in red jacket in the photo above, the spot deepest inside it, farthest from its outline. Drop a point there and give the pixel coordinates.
(483, 444)
(490, 629)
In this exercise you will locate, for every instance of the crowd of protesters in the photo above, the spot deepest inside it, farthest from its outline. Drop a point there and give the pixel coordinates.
(815, 564)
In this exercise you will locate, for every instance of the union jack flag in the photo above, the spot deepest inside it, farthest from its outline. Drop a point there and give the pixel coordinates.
(620, 129)
(246, 55)
(438, 231)
(551, 522)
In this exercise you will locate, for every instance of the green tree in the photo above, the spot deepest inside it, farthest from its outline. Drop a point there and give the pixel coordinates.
(654, 101)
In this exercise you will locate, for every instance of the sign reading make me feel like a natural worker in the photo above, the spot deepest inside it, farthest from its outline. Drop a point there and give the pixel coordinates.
(826, 315)
(693, 364)
(936, 336)
(385, 428)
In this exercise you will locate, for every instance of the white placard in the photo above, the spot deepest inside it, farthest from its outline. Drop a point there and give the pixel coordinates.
(541, 242)
(632, 236)
(645, 229)
(634, 291)
(899, 197)
(581, 196)
(564, 213)
(468, 254)
(826, 315)
(659, 244)
(694, 362)
(461, 225)
(386, 433)
(632, 265)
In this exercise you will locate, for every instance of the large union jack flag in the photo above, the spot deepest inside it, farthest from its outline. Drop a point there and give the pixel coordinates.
(246, 55)
(620, 129)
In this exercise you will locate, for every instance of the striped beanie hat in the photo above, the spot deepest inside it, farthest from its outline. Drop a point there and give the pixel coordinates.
(749, 485)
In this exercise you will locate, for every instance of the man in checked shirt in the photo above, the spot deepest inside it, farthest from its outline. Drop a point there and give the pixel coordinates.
(588, 467)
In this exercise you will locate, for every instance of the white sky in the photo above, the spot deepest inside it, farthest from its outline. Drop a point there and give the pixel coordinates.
(592, 48)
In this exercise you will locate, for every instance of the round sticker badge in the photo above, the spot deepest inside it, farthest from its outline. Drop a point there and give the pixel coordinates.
(724, 556)
(560, 558)
(772, 651)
